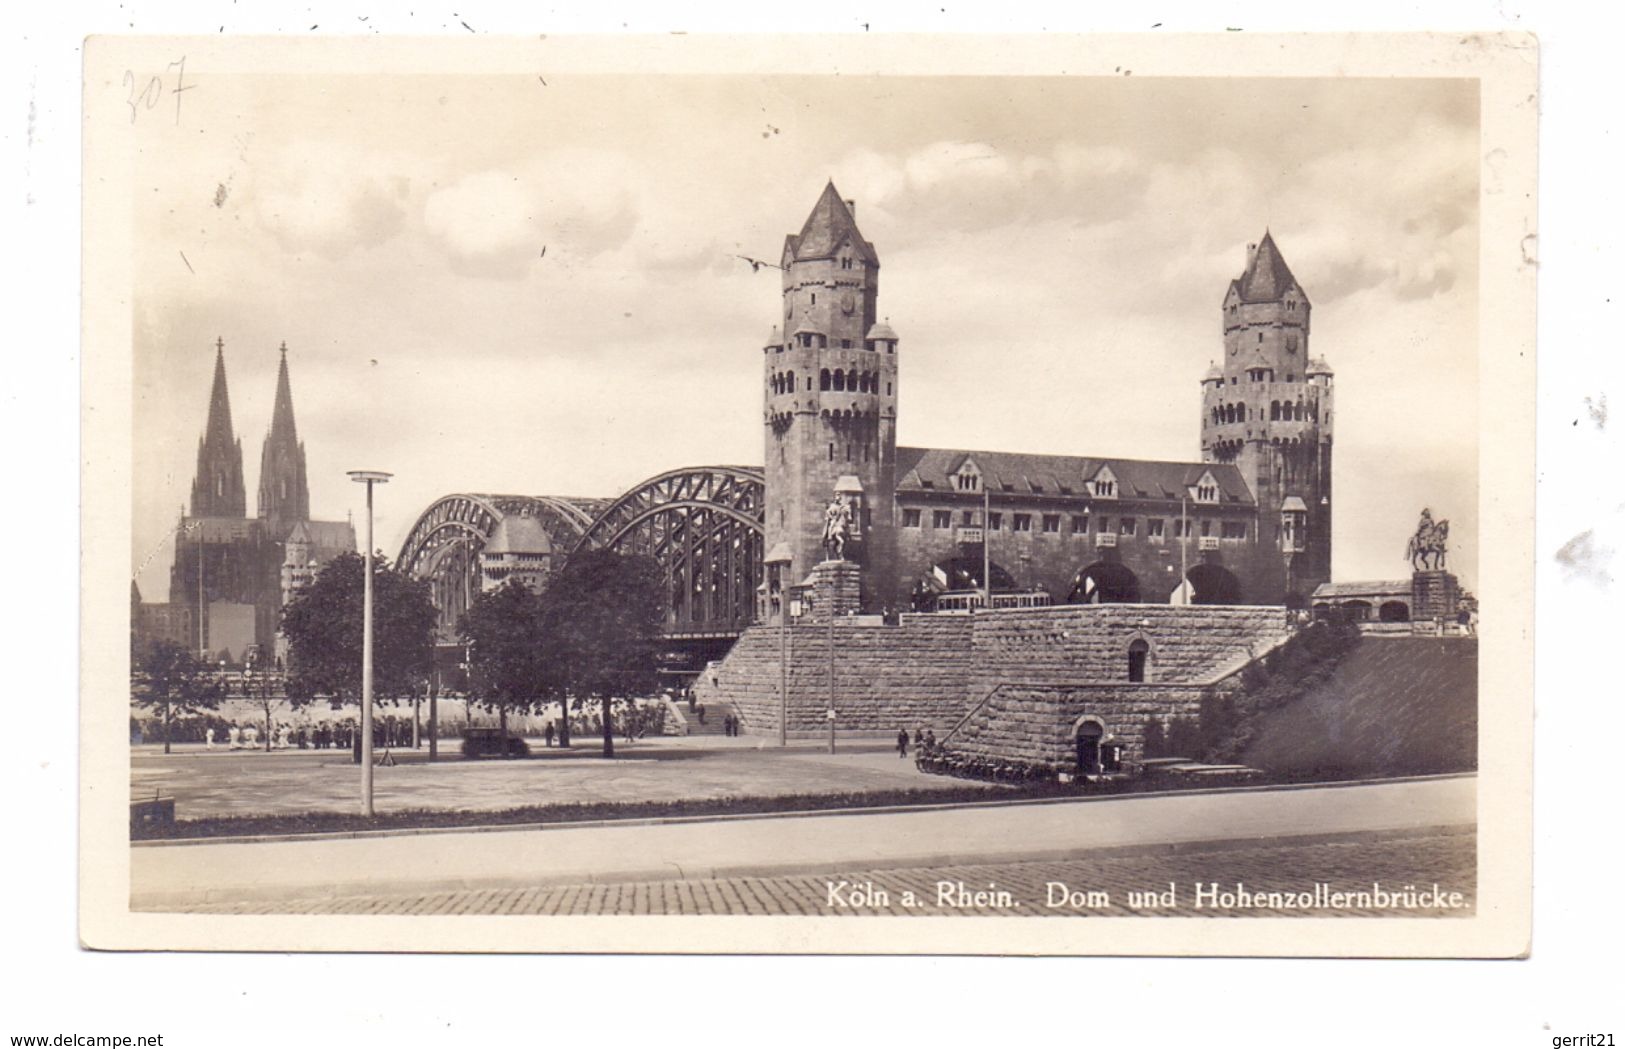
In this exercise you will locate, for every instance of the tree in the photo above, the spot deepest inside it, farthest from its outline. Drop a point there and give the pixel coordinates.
(507, 661)
(170, 680)
(323, 627)
(601, 618)
(259, 686)
(1155, 741)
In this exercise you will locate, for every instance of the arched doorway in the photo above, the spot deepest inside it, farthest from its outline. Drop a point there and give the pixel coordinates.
(1356, 611)
(1214, 585)
(1394, 612)
(1086, 742)
(1138, 652)
(1104, 583)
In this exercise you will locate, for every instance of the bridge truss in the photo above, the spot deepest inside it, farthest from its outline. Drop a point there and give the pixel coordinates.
(703, 525)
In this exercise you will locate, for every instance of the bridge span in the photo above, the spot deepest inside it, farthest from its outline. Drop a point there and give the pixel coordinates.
(703, 525)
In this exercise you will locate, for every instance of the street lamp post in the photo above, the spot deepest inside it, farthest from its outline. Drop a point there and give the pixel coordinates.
(778, 567)
(369, 478)
(831, 714)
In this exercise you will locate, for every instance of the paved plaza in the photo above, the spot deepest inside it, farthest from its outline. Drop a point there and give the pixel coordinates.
(223, 782)
(1392, 860)
(184, 875)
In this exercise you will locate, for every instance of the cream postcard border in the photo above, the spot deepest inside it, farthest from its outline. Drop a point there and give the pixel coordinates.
(1505, 66)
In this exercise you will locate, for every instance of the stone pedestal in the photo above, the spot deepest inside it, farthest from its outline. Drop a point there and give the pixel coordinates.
(1435, 595)
(832, 588)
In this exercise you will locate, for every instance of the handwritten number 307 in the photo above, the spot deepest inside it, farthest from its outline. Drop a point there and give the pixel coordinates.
(148, 96)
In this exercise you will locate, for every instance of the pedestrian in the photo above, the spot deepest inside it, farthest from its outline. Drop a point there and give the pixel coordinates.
(902, 743)
(208, 738)
(919, 737)
(700, 710)
(547, 733)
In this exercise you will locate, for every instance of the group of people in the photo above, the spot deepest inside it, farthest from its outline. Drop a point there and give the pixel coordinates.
(925, 741)
(344, 735)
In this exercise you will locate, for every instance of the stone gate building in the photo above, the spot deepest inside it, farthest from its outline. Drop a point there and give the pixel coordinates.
(1249, 522)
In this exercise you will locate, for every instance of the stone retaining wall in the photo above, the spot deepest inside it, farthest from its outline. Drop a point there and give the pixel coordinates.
(1034, 723)
(930, 670)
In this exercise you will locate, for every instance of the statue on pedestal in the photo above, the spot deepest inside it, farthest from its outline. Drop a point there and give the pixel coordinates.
(837, 527)
(1428, 544)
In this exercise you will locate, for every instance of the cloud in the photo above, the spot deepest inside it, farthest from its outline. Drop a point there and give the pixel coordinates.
(487, 223)
(329, 199)
(574, 203)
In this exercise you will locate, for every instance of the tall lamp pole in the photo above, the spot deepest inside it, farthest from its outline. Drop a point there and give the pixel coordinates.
(987, 552)
(778, 567)
(368, 478)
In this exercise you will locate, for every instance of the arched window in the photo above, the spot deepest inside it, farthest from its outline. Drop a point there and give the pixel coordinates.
(1137, 653)
(823, 378)
(790, 382)
(840, 379)
(1275, 411)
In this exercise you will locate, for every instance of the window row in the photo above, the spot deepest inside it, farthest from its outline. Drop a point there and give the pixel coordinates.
(1280, 411)
(840, 380)
(1078, 524)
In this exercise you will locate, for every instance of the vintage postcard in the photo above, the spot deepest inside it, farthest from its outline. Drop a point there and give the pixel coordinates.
(1044, 495)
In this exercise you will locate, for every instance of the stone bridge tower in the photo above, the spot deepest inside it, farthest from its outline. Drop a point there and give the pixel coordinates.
(830, 404)
(1268, 408)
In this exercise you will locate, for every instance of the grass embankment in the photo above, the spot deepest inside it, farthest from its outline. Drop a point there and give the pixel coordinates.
(1391, 707)
(582, 812)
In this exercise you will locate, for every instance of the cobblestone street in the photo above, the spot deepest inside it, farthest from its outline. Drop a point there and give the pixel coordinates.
(1394, 861)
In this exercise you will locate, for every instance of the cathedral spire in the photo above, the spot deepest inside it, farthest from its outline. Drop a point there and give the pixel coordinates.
(284, 496)
(217, 487)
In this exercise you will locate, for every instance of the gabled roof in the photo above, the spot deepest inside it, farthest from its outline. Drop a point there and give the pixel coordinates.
(1019, 473)
(829, 226)
(335, 536)
(518, 534)
(1267, 278)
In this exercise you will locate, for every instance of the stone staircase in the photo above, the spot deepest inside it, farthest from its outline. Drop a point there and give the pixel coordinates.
(886, 677)
(715, 713)
(927, 671)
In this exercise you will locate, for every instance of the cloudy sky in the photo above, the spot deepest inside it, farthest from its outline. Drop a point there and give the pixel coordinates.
(496, 284)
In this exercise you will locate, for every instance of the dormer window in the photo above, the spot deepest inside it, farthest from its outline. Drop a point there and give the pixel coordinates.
(1206, 490)
(1104, 486)
(969, 478)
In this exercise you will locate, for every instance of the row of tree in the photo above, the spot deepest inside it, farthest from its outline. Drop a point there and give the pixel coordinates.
(591, 635)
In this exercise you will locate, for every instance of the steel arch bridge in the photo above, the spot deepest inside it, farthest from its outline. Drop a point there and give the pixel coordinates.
(703, 525)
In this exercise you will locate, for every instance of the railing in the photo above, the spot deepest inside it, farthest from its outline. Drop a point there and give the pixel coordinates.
(1105, 539)
(1208, 542)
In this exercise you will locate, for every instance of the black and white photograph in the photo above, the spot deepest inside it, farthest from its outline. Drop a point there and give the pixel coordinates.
(912, 499)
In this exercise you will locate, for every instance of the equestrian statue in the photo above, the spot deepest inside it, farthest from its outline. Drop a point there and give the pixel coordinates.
(1428, 544)
(837, 527)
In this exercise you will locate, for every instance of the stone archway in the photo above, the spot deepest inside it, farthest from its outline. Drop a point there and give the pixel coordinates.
(1214, 585)
(1104, 583)
(1394, 612)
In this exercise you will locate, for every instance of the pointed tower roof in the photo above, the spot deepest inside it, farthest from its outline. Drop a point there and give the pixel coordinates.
(284, 493)
(829, 225)
(1267, 277)
(217, 487)
(282, 426)
(218, 428)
